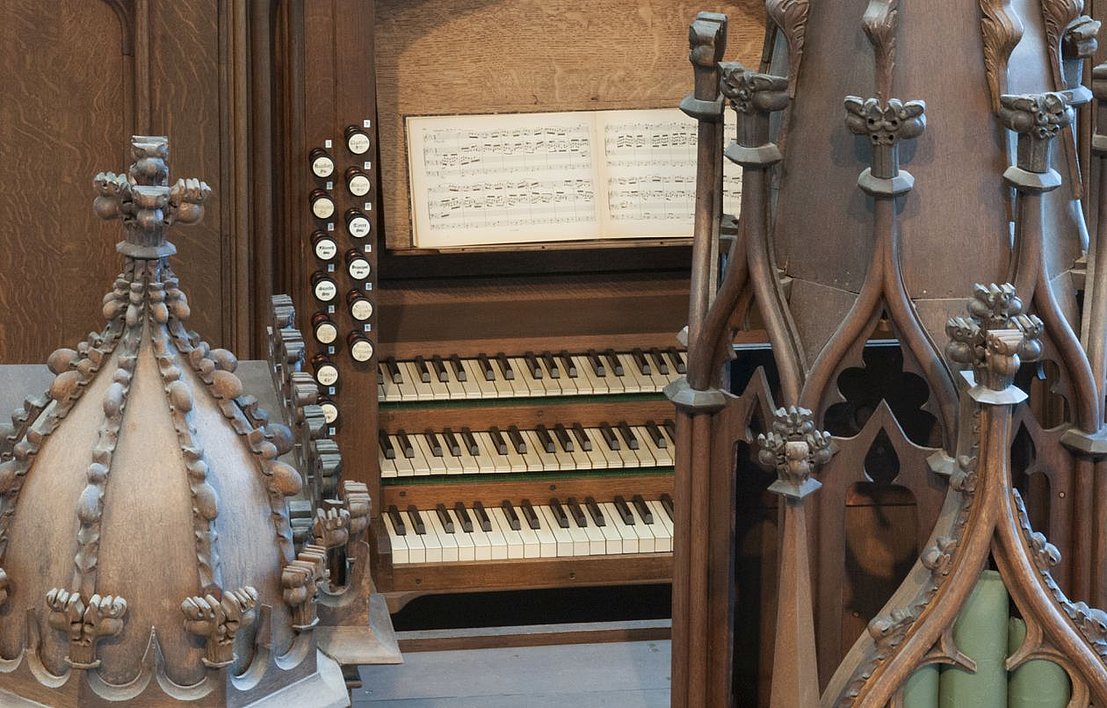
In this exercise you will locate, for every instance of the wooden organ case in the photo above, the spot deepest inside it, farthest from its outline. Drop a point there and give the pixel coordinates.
(500, 402)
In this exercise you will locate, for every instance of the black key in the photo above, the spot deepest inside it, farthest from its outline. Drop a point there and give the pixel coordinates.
(470, 442)
(656, 435)
(545, 439)
(597, 363)
(462, 515)
(516, 439)
(567, 364)
(459, 370)
(595, 511)
(563, 437)
(397, 520)
(533, 366)
(433, 443)
(577, 512)
(624, 511)
(386, 446)
(439, 369)
(559, 513)
(421, 367)
(505, 366)
(498, 440)
(551, 365)
(486, 367)
(512, 517)
(405, 444)
(613, 362)
(451, 442)
(678, 360)
(628, 436)
(670, 428)
(641, 361)
(416, 520)
(667, 505)
(393, 370)
(444, 518)
(482, 517)
(530, 515)
(659, 361)
(582, 437)
(642, 509)
(609, 436)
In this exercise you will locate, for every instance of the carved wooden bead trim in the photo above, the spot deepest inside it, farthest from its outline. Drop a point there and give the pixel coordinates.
(217, 621)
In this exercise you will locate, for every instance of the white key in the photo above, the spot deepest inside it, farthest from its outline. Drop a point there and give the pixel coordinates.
(436, 465)
(388, 467)
(482, 543)
(405, 387)
(630, 538)
(597, 543)
(482, 462)
(562, 537)
(423, 391)
(577, 458)
(388, 390)
(537, 452)
(475, 381)
(566, 383)
(417, 551)
(496, 537)
(525, 384)
(581, 542)
(547, 544)
(512, 538)
(490, 456)
(632, 378)
(600, 449)
(441, 391)
(532, 547)
(404, 468)
(663, 456)
(400, 555)
(612, 538)
(645, 459)
(470, 387)
(430, 539)
(586, 381)
(447, 540)
(466, 549)
(647, 536)
(419, 464)
(663, 534)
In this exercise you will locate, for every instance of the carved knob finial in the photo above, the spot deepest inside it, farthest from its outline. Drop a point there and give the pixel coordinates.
(754, 96)
(993, 340)
(794, 448)
(885, 124)
(1037, 119)
(145, 203)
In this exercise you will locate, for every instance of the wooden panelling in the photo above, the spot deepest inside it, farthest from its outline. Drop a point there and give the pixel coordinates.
(505, 56)
(62, 118)
(77, 78)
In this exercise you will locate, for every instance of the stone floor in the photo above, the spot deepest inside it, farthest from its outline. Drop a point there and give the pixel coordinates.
(614, 675)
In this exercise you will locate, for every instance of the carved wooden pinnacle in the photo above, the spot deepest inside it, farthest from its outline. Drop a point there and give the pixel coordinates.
(145, 203)
(794, 448)
(707, 43)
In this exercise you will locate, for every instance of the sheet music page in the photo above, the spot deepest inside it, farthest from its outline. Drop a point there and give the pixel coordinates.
(495, 179)
(649, 166)
(481, 180)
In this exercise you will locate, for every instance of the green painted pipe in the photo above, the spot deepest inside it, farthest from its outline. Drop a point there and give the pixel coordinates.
(1039, 683)
(980, 632)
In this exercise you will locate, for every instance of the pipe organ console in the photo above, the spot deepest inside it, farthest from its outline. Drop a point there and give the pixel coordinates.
(502, 404)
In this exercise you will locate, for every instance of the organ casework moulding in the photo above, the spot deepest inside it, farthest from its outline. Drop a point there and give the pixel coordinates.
(146, 554)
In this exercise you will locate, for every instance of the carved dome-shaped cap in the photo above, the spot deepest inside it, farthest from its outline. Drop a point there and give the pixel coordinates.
(145, 546)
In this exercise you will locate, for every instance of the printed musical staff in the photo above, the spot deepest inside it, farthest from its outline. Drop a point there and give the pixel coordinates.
(499, 179)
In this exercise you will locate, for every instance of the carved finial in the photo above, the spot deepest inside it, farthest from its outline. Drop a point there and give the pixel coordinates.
(1079, 42)
(791, 17)
(993, 340)
(755, 96)
(299, 580)
(885, 124)
(707, 44)
(879, 22)
(1001, 29)
(1037, 119)
(85, 623)
(794, 448)
(145, 203)
(218, 621)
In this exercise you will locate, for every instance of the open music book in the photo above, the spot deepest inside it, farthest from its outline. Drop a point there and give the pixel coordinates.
(481, 180)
